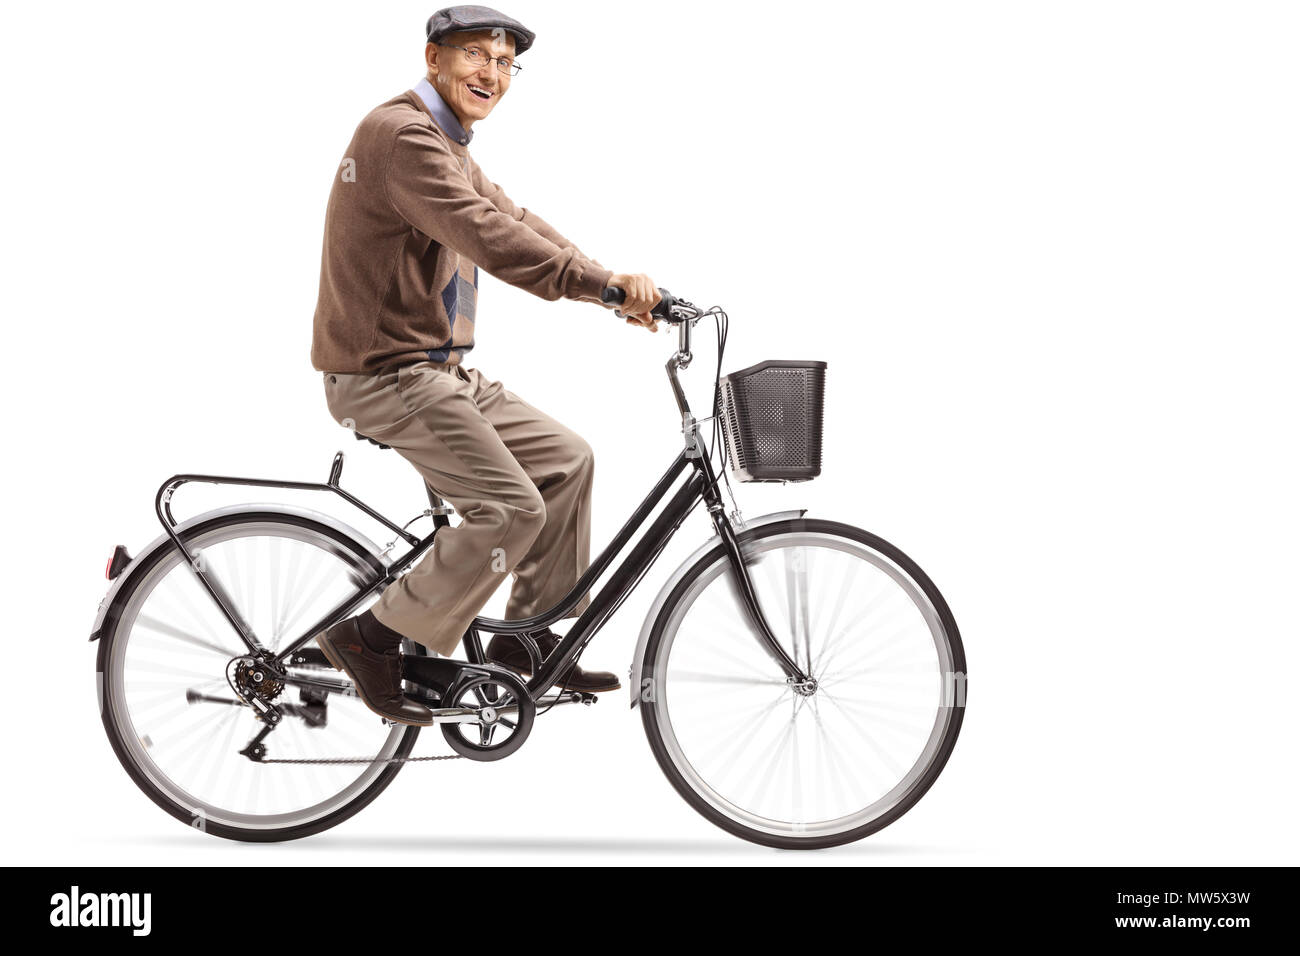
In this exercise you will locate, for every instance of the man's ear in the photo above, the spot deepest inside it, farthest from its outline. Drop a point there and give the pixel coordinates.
(431, 58)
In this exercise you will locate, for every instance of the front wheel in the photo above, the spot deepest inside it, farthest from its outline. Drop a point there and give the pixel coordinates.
(799, 767)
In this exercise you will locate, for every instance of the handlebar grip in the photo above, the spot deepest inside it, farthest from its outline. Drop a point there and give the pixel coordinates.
(615, 296)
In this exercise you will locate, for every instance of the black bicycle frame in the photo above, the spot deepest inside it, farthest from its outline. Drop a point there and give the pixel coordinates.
(701, 484)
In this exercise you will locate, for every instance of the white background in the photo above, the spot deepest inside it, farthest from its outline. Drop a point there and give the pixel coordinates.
(1048, 249)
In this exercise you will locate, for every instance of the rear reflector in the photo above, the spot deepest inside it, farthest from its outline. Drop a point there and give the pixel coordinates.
(117, 562)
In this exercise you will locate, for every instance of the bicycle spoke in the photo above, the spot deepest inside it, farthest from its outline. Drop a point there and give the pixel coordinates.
(776, 607)
(291, 589)
(870, 741)
(704, 678)
(205, 621)
(747, 668)
(828, 757)
(765, 779)
(860, 622)
(812, 758)
(214, 752)
(883, 715)
(219, 567)
(305, 580)
(796, 779)
(738, 747)
(725, 618)
(273, 578)
(299, 612)
(251, 578)
(841, 594)
(169, 630)
(796, 589)
(169, 659)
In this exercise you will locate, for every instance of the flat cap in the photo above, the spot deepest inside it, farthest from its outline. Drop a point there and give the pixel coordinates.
(473, 17)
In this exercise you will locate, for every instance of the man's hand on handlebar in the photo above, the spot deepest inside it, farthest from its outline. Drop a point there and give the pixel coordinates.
(640, 295)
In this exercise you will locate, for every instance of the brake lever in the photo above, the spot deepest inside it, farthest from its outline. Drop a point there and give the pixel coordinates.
(684, 311)
(677, 310)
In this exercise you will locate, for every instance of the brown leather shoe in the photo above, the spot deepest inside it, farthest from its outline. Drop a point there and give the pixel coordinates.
(508, 651)
(377, 677)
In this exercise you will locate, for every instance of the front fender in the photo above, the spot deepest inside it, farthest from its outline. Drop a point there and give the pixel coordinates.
(667, 589)
(164, 541)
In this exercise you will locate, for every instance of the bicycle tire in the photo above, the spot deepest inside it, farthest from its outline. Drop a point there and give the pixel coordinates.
(111, 714)
(659, 736)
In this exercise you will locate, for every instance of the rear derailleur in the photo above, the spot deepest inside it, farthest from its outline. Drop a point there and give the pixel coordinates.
(258, 684)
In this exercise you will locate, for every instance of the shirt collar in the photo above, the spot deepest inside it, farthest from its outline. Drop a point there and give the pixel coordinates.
(442, 112)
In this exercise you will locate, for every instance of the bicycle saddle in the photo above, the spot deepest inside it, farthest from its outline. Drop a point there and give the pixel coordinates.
(350, 426)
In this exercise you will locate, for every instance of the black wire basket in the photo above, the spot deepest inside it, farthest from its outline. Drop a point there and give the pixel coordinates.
(772, 419)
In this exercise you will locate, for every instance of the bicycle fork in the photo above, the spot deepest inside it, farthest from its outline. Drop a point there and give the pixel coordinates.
(802, 682)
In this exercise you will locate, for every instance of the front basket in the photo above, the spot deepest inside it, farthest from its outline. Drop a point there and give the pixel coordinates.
(772, 418)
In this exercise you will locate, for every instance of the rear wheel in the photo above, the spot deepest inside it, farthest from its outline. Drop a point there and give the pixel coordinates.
(172, 717)
(813, 766)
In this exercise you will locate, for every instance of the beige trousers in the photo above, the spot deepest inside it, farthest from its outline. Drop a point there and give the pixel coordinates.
(520, 481)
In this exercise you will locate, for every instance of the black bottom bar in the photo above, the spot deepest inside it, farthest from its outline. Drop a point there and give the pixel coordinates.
(928, 908)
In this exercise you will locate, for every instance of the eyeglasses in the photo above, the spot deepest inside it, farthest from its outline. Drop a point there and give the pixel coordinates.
(477, 58)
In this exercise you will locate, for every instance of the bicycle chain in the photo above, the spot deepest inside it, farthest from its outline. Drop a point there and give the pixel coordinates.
(359, 759)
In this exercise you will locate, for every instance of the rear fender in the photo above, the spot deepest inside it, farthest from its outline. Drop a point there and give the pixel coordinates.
(164, 541)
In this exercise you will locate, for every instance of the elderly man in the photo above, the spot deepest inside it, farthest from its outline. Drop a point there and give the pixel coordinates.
(411, 219)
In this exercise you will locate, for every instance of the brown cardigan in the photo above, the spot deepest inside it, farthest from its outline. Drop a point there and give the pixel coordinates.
(410, 220)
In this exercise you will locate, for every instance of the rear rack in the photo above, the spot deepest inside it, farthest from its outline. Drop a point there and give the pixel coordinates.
(162, 505)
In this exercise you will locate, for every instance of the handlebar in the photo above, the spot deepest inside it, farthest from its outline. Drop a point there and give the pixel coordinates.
(669, 308)
(684, 315)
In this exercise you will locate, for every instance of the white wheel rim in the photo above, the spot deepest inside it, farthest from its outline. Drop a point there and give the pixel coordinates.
(281, 577)
(782, 764)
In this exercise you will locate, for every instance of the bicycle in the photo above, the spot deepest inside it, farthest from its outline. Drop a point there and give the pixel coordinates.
(801, 681)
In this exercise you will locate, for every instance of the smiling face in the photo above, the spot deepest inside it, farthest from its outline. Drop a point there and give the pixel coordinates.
(471, 91)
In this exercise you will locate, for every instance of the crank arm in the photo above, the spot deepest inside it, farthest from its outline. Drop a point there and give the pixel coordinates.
(455, 715)
(327, 682)
(553, 700)
(567, 697)
(470, 715)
